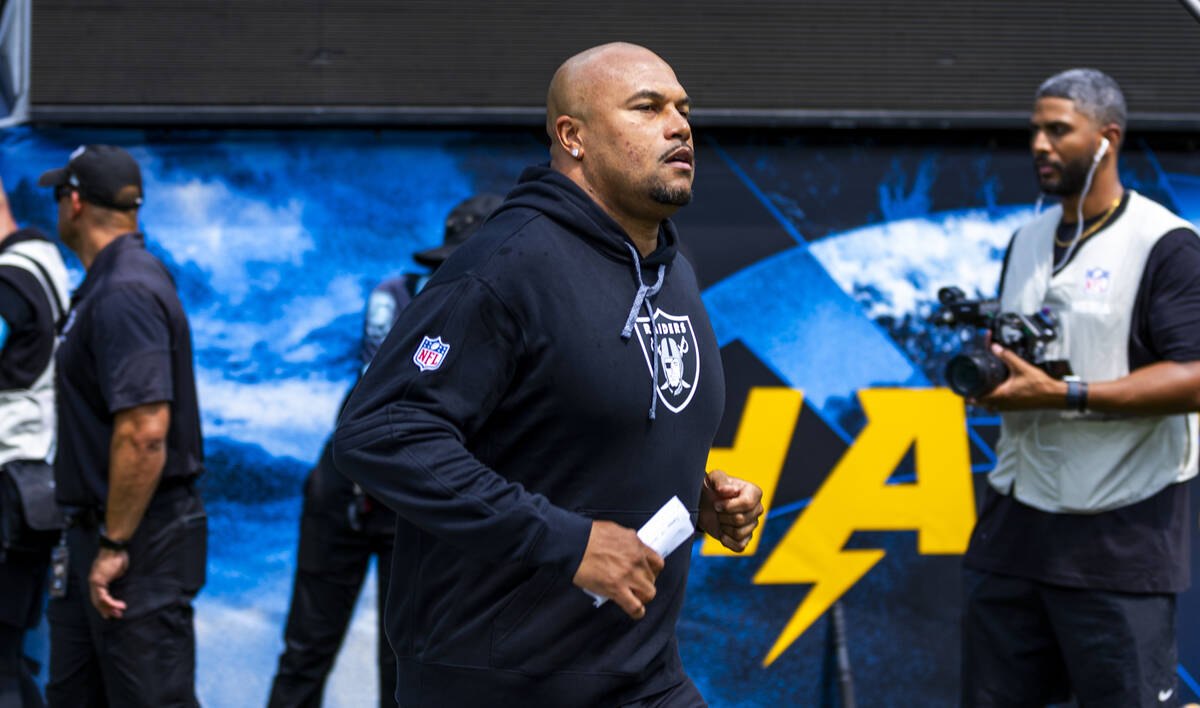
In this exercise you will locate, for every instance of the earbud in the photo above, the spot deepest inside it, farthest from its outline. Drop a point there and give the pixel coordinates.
(1101, 150)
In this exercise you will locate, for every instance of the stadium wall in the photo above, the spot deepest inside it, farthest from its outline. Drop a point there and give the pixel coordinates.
(820, 253)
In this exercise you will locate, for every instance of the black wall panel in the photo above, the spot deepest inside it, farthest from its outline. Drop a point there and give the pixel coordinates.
(847, 62)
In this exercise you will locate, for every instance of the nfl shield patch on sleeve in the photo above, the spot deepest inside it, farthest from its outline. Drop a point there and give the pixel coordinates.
(430, 354)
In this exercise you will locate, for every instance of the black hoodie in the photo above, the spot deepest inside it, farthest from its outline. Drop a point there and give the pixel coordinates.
(504, 412)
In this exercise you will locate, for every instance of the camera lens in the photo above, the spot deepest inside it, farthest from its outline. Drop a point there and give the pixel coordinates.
(973, 374)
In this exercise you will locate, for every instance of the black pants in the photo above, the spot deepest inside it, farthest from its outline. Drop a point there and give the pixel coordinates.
(684, 695)
(331, 564)
(147, 657)
(22, 581)
(1028, 644)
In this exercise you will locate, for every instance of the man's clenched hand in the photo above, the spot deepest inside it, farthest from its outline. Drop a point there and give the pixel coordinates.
(729, 509)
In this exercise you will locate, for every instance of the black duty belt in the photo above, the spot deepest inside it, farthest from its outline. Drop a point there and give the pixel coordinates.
(169, 490)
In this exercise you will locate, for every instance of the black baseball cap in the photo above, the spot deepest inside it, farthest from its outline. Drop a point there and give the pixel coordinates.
(463, 220)
(104, 174)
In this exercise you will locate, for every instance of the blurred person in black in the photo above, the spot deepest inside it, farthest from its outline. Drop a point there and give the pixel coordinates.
(129, 451)
(33, 297)
(341, 527)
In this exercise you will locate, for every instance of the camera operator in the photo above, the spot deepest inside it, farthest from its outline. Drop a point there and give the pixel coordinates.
(33, 295)
(1082, 538)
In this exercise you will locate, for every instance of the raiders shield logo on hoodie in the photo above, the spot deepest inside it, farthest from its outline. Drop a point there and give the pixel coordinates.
(677, 356)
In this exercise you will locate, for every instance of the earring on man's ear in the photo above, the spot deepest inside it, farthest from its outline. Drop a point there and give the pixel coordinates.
(574, 152)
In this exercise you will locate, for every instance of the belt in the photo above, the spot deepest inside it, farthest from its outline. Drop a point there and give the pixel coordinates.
(173, 489)
(168, 491)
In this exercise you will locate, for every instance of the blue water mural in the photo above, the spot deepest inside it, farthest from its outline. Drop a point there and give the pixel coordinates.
(274, 240)
(897, 200)
(276, 237)
(775, 306)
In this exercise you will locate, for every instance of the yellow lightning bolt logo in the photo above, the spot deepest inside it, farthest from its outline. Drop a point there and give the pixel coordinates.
(856, 497)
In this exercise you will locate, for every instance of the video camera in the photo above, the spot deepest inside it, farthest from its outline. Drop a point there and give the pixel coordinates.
(977, 372)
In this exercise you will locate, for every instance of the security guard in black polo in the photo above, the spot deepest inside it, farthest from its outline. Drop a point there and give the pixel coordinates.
(340, 527)
(129, 450)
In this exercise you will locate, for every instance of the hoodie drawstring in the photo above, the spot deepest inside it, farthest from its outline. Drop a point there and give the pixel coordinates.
(644, 293)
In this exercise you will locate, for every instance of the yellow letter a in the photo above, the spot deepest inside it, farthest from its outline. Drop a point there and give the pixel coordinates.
(939, 505)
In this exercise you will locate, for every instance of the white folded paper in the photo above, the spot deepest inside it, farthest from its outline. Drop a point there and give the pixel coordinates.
(664, 532)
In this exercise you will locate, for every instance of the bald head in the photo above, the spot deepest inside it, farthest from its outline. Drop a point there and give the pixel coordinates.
(580, 80)
(617, 118)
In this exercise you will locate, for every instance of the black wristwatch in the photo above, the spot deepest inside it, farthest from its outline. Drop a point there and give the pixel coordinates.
(1077, 394)
(106, 542)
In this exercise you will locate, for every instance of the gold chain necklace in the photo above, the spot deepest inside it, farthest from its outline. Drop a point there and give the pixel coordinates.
(1094, 227)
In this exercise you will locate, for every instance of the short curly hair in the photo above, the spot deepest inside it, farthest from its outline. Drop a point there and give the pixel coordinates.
(1094, 93)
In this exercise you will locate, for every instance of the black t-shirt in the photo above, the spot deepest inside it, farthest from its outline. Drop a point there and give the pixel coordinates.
(30, 316)
(126, 343)
(1143, 547)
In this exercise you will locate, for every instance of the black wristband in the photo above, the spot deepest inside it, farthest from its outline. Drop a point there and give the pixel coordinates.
(106, 542)
(1077, 395)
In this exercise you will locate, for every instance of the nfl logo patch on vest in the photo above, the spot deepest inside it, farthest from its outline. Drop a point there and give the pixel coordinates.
(1096, 281)
(430, 354)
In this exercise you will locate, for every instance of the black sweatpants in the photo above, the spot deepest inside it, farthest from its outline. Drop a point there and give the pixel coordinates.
(22, 581)
(148, 656)
(331, 564)
(1028, 644)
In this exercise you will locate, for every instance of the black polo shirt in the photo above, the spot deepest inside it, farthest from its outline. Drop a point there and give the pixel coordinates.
(126, 343)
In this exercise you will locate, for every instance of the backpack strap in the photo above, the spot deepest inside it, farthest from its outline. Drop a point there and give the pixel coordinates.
(57, 308)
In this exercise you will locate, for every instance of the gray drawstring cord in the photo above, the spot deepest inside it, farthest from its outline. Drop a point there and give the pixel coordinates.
(644, 293)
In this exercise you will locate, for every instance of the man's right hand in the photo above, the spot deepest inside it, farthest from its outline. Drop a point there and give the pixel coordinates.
(620, 567)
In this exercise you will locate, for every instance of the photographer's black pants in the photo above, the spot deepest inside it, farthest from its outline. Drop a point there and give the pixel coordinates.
(1029, 644)
(331, 564)
(147, 657)
(22, 581)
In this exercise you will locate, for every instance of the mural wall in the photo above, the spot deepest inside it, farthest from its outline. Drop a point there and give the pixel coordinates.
(820, 255)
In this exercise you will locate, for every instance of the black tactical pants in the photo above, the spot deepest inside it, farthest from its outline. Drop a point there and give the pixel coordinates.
(148, 656)
(331, 564)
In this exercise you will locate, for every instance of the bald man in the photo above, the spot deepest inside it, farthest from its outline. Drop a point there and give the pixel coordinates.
(558, 382)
